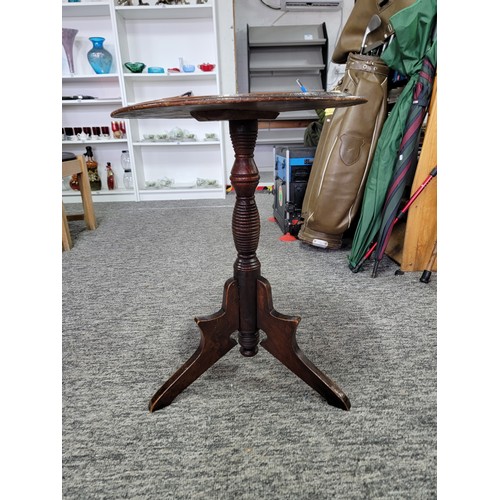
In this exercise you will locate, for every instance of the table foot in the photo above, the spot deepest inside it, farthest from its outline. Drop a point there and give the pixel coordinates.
(215, 342)
(282, 344)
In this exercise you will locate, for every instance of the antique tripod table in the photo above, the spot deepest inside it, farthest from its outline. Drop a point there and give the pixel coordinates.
(247, 305)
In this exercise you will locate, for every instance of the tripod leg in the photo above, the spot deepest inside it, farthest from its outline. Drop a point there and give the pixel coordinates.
(215, 342)
(282, 344)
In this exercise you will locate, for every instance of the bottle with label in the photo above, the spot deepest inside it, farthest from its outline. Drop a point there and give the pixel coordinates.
(128, 181)
(110, 176)
(95, 180)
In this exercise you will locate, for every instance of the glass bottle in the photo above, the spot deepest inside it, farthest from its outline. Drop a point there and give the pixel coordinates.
(95, 180)
(110, 176)
(128, 182)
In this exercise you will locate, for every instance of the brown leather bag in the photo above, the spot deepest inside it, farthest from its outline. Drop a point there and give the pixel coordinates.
(353, 32)
(345, 150)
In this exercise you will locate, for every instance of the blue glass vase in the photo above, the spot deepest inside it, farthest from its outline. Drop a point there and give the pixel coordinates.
(99, 58)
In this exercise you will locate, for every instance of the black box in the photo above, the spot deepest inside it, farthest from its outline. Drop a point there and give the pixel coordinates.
(292, 167)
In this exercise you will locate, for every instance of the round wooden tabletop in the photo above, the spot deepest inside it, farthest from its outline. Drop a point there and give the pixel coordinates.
(256, 105)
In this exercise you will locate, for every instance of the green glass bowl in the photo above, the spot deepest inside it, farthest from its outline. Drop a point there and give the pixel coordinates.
(135, 67)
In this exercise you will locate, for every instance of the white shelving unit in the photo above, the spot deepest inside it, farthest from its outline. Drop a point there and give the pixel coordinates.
(166, 36)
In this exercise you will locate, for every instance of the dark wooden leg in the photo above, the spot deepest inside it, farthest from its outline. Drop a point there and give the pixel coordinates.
(215, 342)
(239, 307)
(282, 344)
(247, 303)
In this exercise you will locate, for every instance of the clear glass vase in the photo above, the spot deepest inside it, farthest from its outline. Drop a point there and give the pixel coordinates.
(128, 181)
(68, 41)
(99, 58)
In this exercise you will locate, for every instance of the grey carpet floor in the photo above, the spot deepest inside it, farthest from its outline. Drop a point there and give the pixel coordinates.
(248, 428)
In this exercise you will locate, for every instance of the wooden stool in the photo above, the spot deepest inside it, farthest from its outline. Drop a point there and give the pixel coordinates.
(72, 164)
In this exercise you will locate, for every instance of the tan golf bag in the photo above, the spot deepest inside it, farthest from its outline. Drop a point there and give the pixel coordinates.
(344, 154)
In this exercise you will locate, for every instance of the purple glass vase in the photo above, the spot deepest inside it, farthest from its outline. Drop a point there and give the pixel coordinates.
(68, 40)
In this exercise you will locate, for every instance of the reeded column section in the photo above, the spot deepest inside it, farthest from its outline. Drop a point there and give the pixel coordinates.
(246, 230)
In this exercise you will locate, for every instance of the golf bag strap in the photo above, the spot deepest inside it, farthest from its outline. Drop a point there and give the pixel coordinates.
(352, 34)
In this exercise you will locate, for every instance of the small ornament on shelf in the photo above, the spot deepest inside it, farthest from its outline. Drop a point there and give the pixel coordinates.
(119, 130)
(99, 58)
(115, 127)
(123, 130)
(105, 133)
(95, 180)
(73, 183)
(128, 181)
(135, 67)
(110, 176)
(207, 183)
(68, 41)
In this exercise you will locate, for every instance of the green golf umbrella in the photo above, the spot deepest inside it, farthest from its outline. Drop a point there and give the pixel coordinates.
(413, 41)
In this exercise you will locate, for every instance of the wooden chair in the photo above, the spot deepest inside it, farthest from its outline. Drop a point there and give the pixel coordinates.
(72, 164)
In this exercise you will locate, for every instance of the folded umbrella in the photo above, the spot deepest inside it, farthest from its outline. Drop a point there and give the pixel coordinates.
(407, 157)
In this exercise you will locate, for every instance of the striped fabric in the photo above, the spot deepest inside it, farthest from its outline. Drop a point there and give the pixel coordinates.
(407, 157)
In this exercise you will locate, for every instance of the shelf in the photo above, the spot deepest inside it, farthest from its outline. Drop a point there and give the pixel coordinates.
(182, 194)
(297, 115)
(155, 77)
(296, 43)
(88, 78)
(97, 141)
(164, 12)
(281, 82)
(176, 144)
(281, 136)
(286, 67)
(101, 196)
(303, 59)
(179, 190)
(114, 192)
(83, 9)
(90, 102)
(286, 36)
